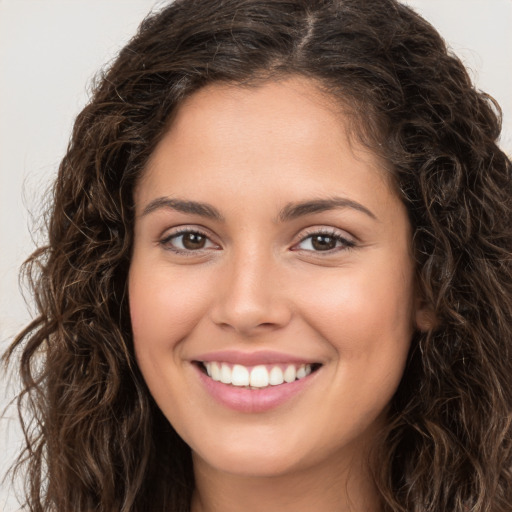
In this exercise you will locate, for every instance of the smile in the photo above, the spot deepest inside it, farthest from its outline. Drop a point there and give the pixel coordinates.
(254, 382)
(256, 377)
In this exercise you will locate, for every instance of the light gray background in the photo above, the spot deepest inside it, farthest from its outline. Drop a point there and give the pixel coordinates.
(50, 50)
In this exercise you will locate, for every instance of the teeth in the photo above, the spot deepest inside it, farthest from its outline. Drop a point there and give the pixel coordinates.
(276, 376)
(239, 375)
(214, 370)
(290, 373)
(301, 372)
(260, 376)
(225, 374)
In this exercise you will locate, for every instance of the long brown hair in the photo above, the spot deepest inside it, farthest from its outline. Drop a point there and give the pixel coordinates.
(95, 438)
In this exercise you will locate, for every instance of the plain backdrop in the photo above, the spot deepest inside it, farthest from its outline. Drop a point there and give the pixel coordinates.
(49, 52)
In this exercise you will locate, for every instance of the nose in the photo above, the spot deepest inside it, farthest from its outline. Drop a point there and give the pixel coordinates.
(251, 298)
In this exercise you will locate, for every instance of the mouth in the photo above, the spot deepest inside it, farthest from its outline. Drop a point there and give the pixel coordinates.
(256, 377)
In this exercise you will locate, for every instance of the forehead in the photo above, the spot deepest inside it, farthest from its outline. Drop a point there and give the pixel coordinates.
(289, 134)
(288, 99)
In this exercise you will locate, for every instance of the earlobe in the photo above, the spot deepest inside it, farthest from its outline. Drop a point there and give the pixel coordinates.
(425, 318)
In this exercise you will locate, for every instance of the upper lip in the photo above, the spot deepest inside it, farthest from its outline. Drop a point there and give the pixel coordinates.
(252, 358)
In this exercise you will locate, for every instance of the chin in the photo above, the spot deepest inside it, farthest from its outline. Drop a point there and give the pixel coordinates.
(263, 465)
(251, 458)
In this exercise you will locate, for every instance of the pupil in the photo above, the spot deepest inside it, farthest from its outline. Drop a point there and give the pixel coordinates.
(193, 241)
(323, 242)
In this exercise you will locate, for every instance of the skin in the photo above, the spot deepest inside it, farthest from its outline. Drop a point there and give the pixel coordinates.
(259, 283)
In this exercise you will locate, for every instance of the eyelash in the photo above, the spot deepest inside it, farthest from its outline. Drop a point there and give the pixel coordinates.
(345, 244)
(167, 241)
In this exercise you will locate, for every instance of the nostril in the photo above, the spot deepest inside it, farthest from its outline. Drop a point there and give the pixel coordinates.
(246, 312)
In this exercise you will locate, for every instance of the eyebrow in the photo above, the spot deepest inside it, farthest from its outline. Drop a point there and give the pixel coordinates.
(289, 212)
(294, 210)
(184, 206)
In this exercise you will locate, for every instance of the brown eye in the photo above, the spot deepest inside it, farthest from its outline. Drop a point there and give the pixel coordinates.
(193, 241)
(188, 241)
(323, 242)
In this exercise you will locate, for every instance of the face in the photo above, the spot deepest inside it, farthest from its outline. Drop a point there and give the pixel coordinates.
(271, 288)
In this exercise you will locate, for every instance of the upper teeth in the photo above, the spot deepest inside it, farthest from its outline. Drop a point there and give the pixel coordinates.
(257, 376)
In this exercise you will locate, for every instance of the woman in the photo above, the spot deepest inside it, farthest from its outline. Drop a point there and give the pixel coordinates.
(278, 273)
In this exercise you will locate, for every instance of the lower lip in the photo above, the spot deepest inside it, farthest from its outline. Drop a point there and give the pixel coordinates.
(253, 400)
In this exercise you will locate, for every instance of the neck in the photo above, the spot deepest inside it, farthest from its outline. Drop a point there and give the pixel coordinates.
(345, 489)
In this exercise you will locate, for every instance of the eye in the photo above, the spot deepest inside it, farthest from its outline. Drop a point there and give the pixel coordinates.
(188, 241)
(323, 242)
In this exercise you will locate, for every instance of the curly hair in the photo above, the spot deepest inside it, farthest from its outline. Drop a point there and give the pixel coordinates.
(95, 439)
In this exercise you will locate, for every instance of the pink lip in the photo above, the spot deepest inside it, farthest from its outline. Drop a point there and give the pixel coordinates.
(251, 358)
(252, 400)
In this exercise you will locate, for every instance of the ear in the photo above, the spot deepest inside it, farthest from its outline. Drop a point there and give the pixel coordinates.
(424, 316)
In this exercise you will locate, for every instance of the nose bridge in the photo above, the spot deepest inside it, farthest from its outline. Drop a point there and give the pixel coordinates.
(251, 297)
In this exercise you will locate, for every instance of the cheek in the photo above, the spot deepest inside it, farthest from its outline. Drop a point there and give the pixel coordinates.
(163, 309)
(368, 322)
(366, 317)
